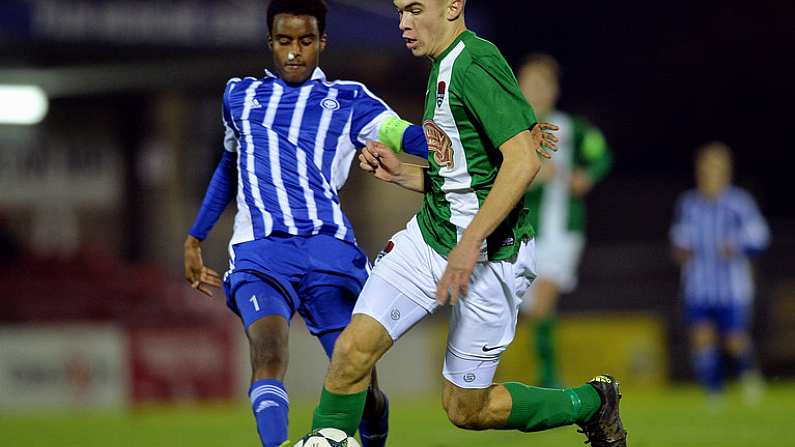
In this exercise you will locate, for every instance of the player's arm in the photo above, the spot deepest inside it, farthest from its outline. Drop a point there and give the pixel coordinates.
(681, 234)
(372, 119)
(754, 231)
(219, 194)
(519, 167)
(593, 158)
(381, 161)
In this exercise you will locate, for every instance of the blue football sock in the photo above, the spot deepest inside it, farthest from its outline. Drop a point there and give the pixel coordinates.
(374, 427)
(270, 406)
(706, 362)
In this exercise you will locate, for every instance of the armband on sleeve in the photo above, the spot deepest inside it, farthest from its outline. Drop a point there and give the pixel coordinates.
(391, 133)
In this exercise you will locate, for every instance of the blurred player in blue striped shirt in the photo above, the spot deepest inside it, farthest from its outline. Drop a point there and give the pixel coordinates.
(716, 229)
(290, 137)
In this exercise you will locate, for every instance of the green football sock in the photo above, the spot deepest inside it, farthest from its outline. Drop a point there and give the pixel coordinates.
(545, 352)
(341, 411)
(536, 409)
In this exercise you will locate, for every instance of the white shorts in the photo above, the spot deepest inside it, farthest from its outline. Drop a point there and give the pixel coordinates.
(401, 291)
(558, 257)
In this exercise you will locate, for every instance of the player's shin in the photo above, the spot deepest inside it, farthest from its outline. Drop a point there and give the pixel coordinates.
(270, 405)
(536, 409)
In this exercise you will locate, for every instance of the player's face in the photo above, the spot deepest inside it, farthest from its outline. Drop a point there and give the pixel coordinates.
(539, 84)
(296, 44)
(713, 171)
(422, 23)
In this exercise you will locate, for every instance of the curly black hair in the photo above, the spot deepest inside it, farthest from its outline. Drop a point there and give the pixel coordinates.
(315, 8)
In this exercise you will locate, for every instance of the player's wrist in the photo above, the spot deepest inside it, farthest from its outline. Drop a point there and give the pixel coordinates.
(192, 242)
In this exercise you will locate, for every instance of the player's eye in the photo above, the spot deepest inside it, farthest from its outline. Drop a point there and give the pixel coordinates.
(284, 41)
(415, 11)
(307, 42)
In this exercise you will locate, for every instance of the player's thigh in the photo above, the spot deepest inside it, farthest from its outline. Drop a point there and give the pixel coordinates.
(335, 273)
(400, 290)
(392, 309)
(482, 325)
(253, 296)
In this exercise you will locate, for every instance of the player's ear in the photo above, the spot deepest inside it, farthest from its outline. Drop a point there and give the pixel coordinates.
(323, 41)
(270, 42)
(455, 9)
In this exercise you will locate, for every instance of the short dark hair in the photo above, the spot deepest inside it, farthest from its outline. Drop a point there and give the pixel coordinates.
(542, 59)
(315, 8)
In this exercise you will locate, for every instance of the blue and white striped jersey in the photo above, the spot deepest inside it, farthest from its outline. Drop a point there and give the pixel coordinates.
(706, 228)
(294, 147)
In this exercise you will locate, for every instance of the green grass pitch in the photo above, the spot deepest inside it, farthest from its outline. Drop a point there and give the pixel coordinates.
(677, 417)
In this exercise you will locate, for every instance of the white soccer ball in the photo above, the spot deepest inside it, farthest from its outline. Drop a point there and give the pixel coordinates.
(327, 437)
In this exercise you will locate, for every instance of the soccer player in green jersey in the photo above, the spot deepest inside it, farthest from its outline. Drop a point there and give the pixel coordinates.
(469, 246)
(556, 199)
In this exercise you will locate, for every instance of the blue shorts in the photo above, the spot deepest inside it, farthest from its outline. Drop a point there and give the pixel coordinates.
(318, 276)
(726, 318)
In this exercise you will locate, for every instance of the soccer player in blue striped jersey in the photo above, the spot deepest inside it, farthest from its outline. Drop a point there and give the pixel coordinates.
(716, 229)
(290, 137)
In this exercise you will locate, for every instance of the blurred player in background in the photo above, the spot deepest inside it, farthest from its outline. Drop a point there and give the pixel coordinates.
(470, 245)
(717, 228)
(556, 202)
(290, 139)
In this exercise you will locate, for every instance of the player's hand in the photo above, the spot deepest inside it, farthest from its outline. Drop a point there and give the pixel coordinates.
(379, 160)
(455, 280)
(545, 141)
(681, 255)
(197, 274)
(727, 250)
(580, 183)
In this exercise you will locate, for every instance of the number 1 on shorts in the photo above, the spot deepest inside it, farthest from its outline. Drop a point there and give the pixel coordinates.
(255, 303)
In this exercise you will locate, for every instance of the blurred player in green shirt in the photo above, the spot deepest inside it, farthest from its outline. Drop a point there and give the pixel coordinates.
(470, 246)
(556, 202)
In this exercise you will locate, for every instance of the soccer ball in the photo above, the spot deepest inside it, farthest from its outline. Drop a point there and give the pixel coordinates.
(327, 437)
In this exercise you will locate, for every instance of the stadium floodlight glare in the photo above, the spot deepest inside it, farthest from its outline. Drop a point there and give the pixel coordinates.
(22, 104)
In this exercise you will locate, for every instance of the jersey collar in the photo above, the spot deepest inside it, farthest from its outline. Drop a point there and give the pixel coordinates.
(317, 75)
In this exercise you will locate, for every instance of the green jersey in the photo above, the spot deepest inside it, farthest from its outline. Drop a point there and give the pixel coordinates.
(581, 146)
(473, 106)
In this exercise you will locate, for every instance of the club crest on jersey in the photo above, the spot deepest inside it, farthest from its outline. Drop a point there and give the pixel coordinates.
(439, 143)
(441, 89)
(330, 104)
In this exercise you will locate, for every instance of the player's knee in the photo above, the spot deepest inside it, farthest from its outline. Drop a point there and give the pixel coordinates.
(351, 357)
(464, 408)
(463, 414)
(737, 343)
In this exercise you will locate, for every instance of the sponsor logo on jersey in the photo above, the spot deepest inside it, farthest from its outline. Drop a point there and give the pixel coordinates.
(254, 103)
(441, 89)
(330, 104)
(395, 314)
(469, 377)
(439, 143)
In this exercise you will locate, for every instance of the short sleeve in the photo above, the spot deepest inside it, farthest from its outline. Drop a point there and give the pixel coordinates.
(494, 99)
(230, 133)
(369, 112)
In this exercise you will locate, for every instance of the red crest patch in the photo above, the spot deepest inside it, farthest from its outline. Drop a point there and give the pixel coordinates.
(439, 143)
(441, 89)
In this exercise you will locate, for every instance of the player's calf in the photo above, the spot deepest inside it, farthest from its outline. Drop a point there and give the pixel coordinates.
(268, 344)
(476, 409)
